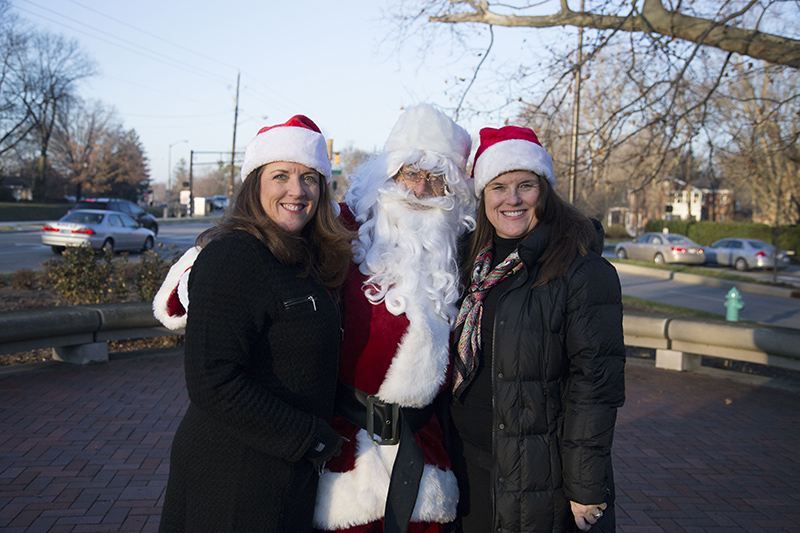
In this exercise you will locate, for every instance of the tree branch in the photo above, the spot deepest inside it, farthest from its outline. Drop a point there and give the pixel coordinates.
(654, 18)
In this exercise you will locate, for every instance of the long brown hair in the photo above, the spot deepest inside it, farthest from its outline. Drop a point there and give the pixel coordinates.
(322, 246)
(572, 234)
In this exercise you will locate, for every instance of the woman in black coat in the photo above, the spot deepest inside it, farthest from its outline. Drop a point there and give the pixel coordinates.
(539, 353)
(261, 349)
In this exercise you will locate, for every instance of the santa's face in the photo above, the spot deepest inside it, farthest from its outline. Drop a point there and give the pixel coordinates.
(510, 201)
(289, 194)
(421, 183)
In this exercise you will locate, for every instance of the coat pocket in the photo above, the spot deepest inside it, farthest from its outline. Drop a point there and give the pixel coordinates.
(310, 299)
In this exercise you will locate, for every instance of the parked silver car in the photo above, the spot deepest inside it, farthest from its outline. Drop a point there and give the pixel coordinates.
(744, 254)
(662, 248)
(123, 206)
(110, 230)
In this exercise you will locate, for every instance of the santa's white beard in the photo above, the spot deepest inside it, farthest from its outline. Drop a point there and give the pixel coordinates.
(408, 250)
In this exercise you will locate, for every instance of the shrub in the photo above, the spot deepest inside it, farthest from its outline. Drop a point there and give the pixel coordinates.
(617, 231)
(152, 269)
(674, 226)
(23, 280)
(82, 277)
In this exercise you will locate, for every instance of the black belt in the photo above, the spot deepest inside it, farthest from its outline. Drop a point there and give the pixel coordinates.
(388, 424)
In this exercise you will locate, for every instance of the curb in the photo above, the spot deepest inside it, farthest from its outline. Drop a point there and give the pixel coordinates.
(694, 279)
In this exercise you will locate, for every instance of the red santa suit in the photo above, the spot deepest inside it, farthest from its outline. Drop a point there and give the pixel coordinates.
(400, 359)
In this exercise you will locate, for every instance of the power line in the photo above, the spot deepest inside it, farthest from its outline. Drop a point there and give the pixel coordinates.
(145, 32)
(131, 46)
(287, 104)
(226, 113)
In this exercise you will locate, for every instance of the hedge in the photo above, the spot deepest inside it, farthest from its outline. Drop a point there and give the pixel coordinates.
(26, 211)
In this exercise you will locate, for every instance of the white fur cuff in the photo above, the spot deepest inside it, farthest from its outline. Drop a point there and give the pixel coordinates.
(171, 302)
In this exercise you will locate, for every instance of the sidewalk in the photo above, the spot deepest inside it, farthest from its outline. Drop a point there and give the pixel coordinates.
(86, 449)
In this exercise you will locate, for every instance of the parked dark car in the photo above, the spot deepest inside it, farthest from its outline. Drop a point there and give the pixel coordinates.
(662, 248)
(123, 206)
(744, 254)
(219, 202)
(102, 230)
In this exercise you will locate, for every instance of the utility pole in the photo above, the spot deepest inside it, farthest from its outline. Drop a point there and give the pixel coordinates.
(573, 178)
(190, 210)
(233, 149)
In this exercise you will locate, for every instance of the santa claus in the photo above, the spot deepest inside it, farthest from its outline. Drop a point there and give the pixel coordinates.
(408, 207)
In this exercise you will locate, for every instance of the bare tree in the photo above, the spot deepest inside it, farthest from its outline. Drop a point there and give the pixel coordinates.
(349, 160)
(45, 73)
(650, 70)
(647, 16)
(758, 114)
(15, 119)
(82, 130)
(210, 181)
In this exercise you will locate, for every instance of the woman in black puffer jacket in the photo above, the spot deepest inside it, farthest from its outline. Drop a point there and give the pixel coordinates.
(539, 371)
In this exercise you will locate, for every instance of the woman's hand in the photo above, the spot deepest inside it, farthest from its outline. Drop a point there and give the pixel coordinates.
(586, 515)
(326, 445)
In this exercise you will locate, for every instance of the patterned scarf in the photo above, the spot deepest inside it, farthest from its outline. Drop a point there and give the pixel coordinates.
(472, 307)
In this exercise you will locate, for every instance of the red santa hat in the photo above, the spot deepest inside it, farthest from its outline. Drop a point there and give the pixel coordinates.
(298, 140)
(507, 149)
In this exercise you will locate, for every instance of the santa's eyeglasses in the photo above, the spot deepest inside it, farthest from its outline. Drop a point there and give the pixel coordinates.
(437, 183)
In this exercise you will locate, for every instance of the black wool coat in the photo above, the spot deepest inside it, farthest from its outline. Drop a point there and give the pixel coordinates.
(557, 381)
(261, 358)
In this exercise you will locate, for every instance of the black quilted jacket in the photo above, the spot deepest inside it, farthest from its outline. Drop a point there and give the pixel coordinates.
(261, 360)
(558, 379)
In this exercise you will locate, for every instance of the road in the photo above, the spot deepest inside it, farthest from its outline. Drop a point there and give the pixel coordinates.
(757, 308)
(24, 249)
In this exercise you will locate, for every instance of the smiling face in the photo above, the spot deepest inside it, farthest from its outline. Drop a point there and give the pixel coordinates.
(510, 201)
(289, 194)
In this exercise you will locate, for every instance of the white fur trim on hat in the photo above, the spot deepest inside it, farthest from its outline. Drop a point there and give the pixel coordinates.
(510, 155)
(294, 141)
(425, 128)
(171, 303)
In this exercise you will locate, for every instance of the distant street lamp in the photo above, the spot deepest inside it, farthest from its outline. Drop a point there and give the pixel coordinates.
(169, 163)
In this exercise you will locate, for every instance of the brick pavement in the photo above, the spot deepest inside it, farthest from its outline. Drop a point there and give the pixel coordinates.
(85, 449)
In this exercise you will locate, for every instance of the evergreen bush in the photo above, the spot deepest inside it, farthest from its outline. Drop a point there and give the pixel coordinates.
(152, 269)
(81, 276)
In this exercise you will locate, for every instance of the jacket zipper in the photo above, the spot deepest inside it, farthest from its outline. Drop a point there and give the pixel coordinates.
(494, 476)
(297, 301)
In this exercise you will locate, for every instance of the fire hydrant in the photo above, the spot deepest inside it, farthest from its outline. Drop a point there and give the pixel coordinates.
(733, 301)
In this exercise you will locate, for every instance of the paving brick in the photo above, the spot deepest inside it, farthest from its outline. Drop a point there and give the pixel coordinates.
(86, 449)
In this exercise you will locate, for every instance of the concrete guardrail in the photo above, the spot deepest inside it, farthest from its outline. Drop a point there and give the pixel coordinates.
(80, 334)
(680, 343)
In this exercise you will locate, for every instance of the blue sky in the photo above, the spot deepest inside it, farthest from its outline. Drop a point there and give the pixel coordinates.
(169, 67)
